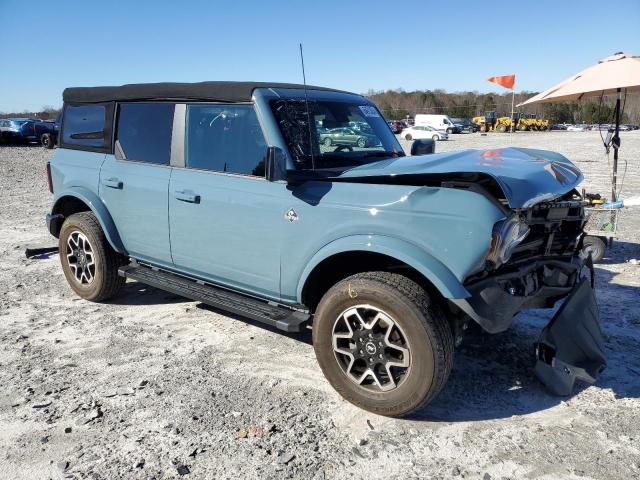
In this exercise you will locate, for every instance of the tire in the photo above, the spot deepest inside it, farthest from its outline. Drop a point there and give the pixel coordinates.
(449, 131)
(435, 138)
(419, 321)
(46, 141)
(502, 128)
(408, 137)
(483, 128)
(99, 280)
(362, 142)
(327, 142)
(595, 246)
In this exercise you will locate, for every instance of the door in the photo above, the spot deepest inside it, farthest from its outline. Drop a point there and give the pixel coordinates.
(134, 182)
(225, 218)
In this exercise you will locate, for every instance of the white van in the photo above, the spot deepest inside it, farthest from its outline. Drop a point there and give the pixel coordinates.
(439, 122)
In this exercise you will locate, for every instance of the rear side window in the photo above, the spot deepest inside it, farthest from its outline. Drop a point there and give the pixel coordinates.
(224, 138)
(144, 132)
(84, 126)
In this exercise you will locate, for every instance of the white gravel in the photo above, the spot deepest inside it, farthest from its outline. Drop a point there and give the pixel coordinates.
(150, 385)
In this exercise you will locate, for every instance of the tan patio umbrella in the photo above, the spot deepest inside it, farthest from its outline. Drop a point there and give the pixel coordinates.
(619, 73)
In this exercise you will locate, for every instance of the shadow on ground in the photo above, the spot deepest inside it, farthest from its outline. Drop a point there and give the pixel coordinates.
(493, 375)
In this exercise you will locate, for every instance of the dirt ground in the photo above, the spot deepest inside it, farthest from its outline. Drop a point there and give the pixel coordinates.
(150, 385)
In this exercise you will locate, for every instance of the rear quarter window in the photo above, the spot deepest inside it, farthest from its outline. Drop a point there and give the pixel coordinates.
(84, 126)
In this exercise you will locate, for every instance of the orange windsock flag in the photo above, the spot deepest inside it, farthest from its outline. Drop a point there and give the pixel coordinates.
(507, 81)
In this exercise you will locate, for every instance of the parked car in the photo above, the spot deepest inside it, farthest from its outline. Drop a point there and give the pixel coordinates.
(438, 122)
(558, 126)
(396, 126)
(577, 128)
(348, 137)
(228, 199)
(18, 130)
(423, 131)
(465, 125)
(27, 130)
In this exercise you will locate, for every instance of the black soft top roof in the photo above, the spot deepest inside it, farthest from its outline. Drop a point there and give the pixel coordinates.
(209, 91)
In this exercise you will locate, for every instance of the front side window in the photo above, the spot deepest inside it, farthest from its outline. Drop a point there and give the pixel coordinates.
(144, 132)
(334, 134)
(84, 125)
(224, 138)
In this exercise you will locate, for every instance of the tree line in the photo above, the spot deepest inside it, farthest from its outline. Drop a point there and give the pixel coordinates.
(399, 104)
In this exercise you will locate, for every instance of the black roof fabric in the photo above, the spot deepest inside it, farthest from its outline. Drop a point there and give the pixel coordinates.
(209, 91)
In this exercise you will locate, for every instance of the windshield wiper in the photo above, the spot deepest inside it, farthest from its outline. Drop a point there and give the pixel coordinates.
(384, 154)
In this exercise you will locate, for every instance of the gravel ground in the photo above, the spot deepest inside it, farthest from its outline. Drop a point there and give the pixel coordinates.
(150, 385)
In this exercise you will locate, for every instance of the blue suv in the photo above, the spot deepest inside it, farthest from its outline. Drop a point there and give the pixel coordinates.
(228, 193)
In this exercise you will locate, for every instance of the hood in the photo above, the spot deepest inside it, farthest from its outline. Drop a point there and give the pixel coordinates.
(526, 176)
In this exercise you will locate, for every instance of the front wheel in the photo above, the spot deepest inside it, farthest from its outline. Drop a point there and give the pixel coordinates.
(327, 142)
(435, 138)
(449, 131)
(408, 136)
(362, 142)
(89, 263)
(382, 343)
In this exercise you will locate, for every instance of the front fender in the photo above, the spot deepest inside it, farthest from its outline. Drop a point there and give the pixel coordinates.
(430, 267)
(99, 210)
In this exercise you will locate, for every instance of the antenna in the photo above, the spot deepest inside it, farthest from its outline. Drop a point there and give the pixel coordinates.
(306, 102)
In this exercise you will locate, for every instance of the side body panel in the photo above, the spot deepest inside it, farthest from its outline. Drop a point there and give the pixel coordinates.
(136, 196)
(231, 232)
(443, 233)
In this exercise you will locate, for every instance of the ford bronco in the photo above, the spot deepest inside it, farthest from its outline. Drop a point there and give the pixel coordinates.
(228, 193)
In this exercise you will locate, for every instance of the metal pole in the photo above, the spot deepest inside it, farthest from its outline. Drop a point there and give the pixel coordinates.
(616, 144)
(513, 101)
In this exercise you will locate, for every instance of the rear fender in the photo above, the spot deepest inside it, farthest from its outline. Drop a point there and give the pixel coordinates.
(430, 267)
(99, 210)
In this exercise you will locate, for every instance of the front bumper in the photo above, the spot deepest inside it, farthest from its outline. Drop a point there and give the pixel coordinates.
(495, 300)
(571, 346)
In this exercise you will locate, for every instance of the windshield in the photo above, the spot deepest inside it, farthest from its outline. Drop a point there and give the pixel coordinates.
(334, 134)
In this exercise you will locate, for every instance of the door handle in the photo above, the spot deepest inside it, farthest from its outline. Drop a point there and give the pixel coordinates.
(187, 196)
(112, 183)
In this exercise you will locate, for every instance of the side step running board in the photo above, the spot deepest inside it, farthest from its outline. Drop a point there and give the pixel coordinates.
(276, 316)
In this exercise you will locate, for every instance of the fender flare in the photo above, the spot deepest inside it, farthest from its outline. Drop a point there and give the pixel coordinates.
(430, 267)
(99, 210)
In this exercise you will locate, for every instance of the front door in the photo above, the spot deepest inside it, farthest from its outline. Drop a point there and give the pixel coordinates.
(225, 219)
(134, 181)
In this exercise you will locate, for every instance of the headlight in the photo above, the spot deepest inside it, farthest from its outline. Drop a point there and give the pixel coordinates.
(507, 234)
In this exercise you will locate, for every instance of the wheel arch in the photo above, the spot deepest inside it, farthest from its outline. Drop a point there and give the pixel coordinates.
(79, 199)
(350, 255)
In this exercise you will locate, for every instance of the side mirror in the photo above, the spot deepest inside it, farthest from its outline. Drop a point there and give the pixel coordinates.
(275, 164)
(423, 146)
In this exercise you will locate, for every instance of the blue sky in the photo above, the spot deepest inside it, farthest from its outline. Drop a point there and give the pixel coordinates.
(356, 46)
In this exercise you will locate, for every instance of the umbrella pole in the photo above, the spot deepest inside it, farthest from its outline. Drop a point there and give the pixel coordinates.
(616, 144)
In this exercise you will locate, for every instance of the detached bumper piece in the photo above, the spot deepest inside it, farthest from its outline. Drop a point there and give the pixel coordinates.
(571, 346)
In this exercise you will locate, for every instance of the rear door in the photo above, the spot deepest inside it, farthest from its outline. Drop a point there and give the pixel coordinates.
(226, 219)
(134, 181)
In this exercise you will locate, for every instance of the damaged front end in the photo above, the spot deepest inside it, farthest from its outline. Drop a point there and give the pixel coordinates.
(538, 271)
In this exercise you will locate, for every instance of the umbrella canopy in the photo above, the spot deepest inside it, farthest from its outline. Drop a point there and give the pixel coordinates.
(619, 71)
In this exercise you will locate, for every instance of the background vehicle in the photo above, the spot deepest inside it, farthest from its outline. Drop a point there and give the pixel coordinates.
(347, 137)
(465, 125)
(577, 128)
(438, 122)
(390, 258)
(18, 130)
(422, 131)
(396, 126)
(27, 130)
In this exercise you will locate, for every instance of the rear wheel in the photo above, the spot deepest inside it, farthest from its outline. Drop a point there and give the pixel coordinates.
(594, 246)
(449, 130)
(89, 263)
(362, 142)
(382, 343)
(327, 142)
(46, 141)
(435, 138)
